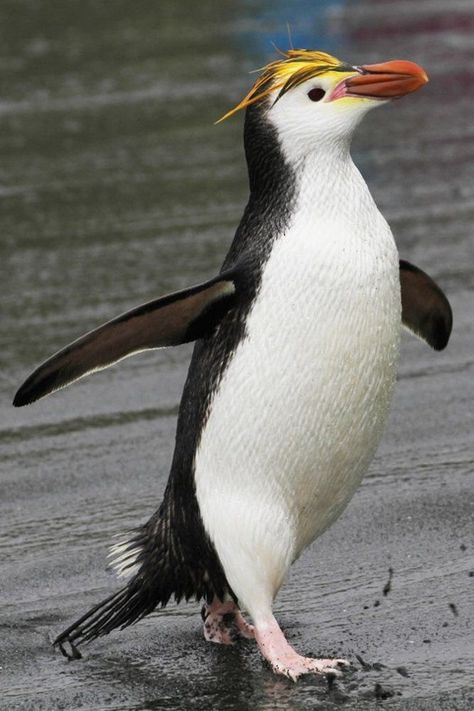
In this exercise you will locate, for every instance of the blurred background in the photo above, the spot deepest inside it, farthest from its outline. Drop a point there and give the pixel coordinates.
(117, 187)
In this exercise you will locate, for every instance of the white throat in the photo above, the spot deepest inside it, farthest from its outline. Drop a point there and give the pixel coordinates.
(329, 185)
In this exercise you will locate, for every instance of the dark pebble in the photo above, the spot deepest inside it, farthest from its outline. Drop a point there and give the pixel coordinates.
(453, 609)
(403, 671)
(383, 692)
(388, 584)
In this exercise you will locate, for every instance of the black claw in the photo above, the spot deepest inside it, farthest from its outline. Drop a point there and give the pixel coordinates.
(74, 653)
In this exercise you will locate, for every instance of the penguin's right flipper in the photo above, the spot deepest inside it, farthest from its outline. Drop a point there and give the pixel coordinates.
(173, 319)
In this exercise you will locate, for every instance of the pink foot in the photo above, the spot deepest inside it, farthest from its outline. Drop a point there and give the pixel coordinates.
(224, 623)
(245, 630)
(283, 658)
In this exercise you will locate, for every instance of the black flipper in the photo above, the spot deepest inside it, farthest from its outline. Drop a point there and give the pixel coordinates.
(173, 319)
(425, 309)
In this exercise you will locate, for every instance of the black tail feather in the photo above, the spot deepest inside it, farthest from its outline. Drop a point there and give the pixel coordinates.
(120, 610)
(112, 612)
(172, 561)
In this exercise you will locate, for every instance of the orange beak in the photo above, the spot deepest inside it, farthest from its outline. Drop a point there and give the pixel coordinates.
(388, 80)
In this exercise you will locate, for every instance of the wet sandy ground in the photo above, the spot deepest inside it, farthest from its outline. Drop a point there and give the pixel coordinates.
(115, 188)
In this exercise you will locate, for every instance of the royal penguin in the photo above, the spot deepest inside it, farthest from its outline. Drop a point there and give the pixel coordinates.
(293, 369)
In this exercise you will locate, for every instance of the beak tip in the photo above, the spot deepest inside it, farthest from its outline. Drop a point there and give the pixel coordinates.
(388, 80)
(422, 77)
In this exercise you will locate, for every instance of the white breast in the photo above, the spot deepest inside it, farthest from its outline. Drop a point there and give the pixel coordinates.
(302, 405)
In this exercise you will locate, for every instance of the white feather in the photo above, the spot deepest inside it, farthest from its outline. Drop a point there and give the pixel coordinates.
(123, 557)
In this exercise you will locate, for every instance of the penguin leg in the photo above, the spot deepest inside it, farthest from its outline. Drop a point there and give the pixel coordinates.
(285, 660)
(254, 537)
(224, 622)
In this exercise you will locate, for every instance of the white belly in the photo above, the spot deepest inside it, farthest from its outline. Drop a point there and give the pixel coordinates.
(302, 405)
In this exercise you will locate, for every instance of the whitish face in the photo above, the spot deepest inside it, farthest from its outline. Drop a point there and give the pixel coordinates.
(324, 111)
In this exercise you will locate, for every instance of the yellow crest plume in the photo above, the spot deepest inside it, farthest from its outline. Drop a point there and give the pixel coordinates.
(297, 66)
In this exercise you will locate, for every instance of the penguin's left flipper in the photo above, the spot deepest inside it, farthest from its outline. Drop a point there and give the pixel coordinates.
(425, 309)
(169, 321)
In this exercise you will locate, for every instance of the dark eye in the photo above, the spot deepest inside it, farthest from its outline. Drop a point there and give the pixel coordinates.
(316, 94)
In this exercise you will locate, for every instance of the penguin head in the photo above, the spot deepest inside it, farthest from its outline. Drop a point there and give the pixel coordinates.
(313, 99)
